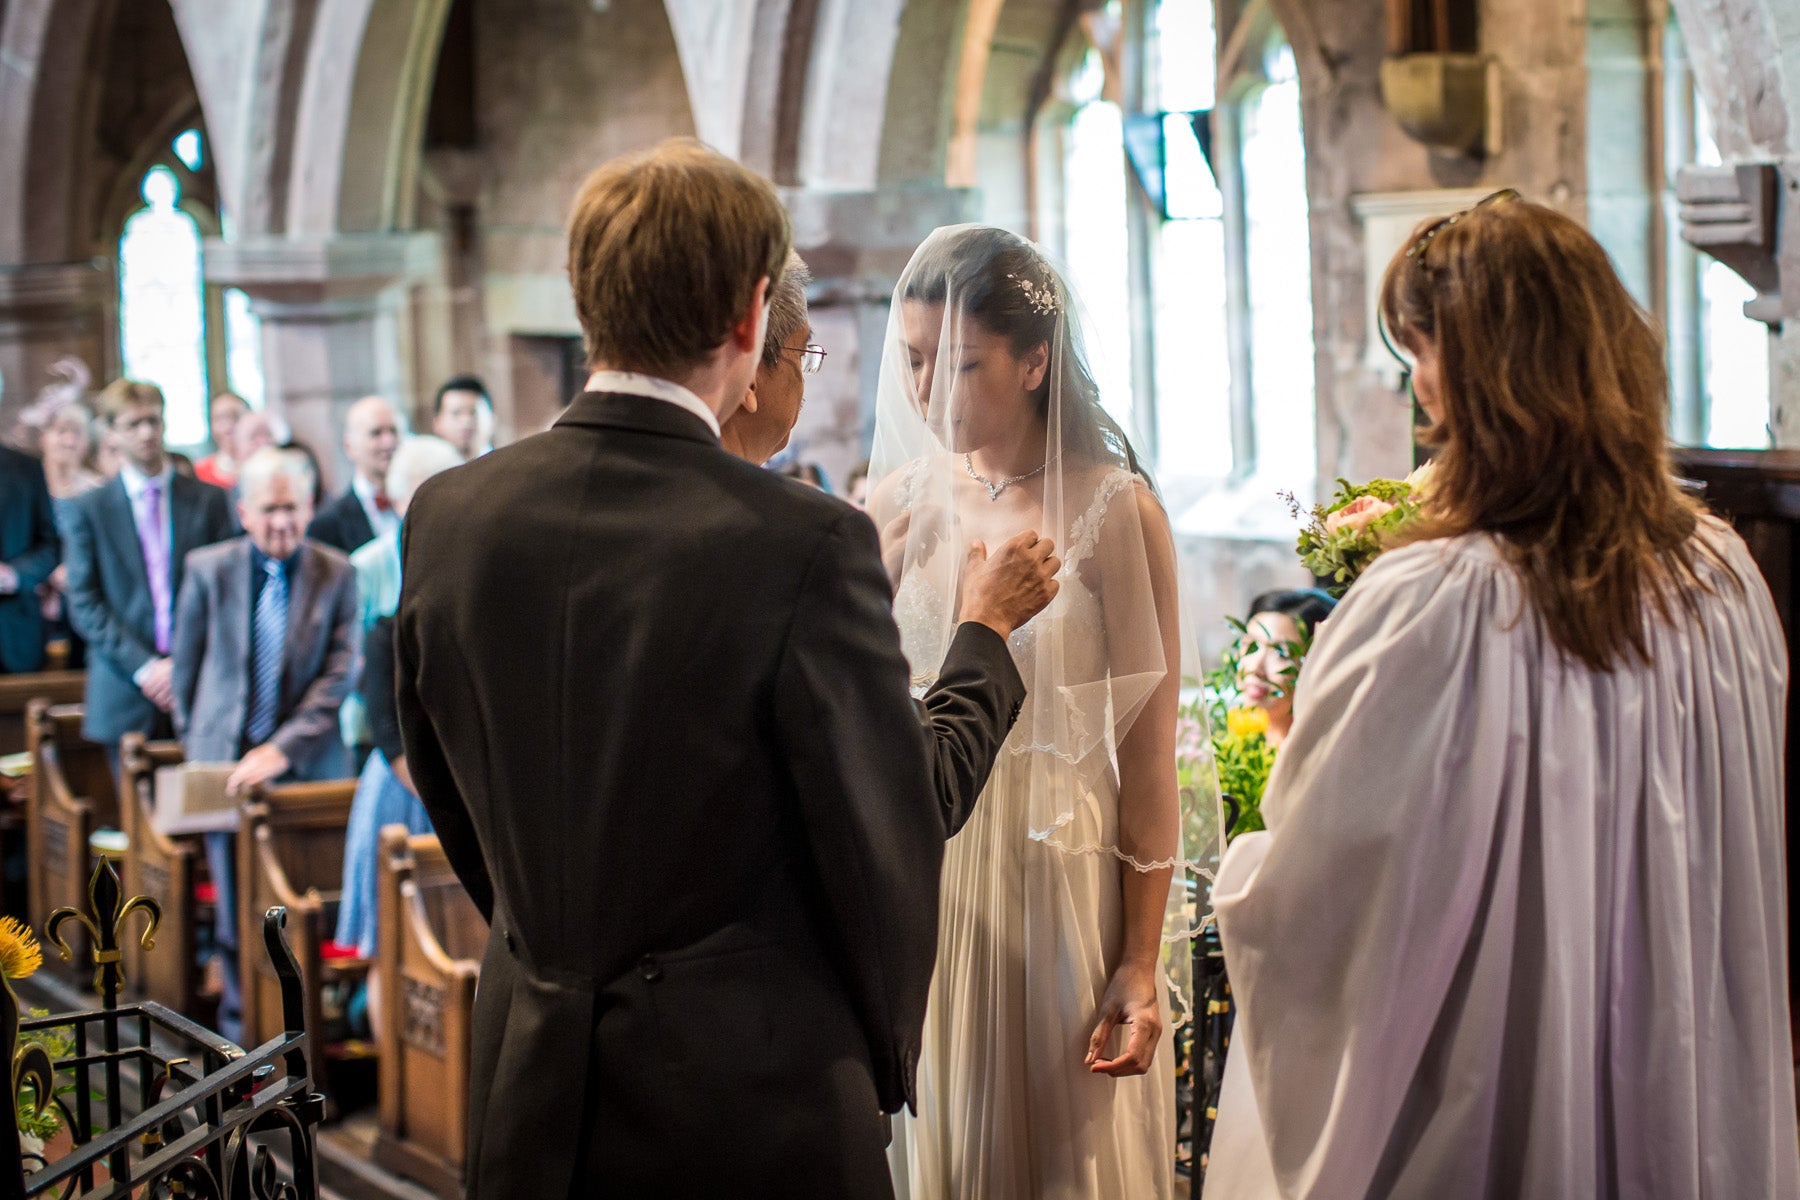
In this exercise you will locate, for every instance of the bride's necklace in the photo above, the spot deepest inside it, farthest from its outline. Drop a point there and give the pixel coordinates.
(994, 489)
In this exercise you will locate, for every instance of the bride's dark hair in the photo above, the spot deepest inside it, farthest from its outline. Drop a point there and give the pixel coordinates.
(1002, 281)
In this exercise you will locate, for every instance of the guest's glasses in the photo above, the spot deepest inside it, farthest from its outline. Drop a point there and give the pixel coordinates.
(1417, 253)
(812, 357)
(1401, 357)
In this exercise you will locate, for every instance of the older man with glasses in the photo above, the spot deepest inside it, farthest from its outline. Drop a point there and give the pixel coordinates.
(759, 429)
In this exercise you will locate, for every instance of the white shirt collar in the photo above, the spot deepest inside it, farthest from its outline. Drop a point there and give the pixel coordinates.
(135, 480)
(633, 384)
(380, 519)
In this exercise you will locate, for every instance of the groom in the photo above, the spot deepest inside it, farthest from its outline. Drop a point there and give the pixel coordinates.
(655, 702)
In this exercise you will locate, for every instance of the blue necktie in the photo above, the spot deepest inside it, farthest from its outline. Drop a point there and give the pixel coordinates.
(268, 639)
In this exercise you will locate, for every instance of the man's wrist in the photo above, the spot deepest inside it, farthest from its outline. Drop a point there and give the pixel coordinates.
(993, 622)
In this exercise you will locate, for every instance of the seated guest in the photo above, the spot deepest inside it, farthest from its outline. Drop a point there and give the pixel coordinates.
(463, 415)
(1280, 626)
(267, 701)
(856, 488)
(378, 565)
(363, 512)
(28, 555)
(384, 795)
(220, 467)
(126, 545)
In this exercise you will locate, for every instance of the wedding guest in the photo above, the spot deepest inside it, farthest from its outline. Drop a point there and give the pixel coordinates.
(126, 545)
(378, 585)
(265, 652)
(762, 424)
(364, 511)
(295, 446)
(220, 467)
(68, 449)
(1269, 654)
(251, 432)
(856, 488)
(28, 554)
(1518, 924)
(463, 415)
(104, 459)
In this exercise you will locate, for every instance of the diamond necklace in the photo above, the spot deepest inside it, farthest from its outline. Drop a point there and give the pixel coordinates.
(994, 489)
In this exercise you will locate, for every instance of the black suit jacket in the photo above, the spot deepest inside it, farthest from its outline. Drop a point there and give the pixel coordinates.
(109, 592)
(654, 700)
(28, 544)
(343, 523)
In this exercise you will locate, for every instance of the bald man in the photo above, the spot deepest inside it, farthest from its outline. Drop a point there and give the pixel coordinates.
(360, 515)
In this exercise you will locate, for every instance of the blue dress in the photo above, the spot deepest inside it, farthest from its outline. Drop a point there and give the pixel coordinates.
(381, 800)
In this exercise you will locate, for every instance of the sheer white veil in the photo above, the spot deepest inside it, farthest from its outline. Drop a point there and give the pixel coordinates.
(973, 444)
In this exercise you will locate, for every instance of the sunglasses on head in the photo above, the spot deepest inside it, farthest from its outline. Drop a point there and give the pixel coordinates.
(1417, 253)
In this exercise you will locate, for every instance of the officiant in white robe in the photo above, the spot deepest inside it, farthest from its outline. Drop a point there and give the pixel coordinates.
(1517, 926)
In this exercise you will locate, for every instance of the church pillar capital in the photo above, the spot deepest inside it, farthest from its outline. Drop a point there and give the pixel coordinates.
(334, 318)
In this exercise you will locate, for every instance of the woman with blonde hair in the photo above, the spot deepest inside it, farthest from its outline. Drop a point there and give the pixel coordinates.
(1517, 926)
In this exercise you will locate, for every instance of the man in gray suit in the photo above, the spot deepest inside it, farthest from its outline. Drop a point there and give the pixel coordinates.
(265, 652)
(265, 645)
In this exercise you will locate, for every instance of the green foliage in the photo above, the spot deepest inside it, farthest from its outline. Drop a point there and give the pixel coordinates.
(1244, 761)
(58, 1043)
(1241, 752)
(1339, 556)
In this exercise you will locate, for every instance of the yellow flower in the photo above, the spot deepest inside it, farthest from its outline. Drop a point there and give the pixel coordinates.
(20, 954)
(1243, 722)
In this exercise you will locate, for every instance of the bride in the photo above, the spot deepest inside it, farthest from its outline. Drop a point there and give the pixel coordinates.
(1045, 1070)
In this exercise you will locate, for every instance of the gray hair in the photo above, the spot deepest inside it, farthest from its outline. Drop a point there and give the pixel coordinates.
(787, 308)
(276, 462)
(416, 460)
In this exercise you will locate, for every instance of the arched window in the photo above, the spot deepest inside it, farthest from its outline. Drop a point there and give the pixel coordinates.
(1218, 169)
(190, 340)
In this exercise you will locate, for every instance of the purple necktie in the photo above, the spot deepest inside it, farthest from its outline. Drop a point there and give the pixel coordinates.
(153, 536)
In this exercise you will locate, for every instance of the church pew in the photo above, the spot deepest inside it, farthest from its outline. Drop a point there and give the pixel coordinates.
(16, 694)
(290, 852)
(18, 691)
(169, 869)
(428, 957)
(72, 794)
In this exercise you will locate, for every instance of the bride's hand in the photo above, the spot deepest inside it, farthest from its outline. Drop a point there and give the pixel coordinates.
(1130, 1001)
(896, 538)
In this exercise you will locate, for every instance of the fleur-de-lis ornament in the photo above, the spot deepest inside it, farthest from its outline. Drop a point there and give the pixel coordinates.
(108, 910)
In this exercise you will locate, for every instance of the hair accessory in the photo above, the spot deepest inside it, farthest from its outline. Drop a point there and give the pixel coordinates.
(1041, 297)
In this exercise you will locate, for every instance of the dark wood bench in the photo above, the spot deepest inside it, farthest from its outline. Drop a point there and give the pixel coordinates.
(16, 694)
(428, 958)
(290, 852)
(72, 794)
(172, 870)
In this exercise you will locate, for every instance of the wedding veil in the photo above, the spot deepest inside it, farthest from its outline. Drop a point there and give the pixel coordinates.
(975, 444)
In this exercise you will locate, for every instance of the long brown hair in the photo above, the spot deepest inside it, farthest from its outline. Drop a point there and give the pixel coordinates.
(1552, 428)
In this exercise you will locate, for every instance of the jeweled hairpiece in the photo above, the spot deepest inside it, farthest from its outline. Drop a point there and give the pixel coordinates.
(1041, 297)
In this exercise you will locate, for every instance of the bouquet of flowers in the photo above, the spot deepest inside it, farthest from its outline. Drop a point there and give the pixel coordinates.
(1339, 541)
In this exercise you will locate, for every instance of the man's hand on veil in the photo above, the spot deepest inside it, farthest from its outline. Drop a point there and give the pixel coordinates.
(1007, 590)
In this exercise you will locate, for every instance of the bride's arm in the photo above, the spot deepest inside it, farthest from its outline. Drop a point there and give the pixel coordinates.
(1149, 811)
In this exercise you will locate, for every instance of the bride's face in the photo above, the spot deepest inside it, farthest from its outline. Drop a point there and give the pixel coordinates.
(972, 389)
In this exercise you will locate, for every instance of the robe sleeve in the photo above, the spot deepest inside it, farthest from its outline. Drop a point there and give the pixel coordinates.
(1345, 926)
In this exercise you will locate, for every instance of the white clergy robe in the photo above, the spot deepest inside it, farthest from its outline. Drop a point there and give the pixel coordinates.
(1517, 927)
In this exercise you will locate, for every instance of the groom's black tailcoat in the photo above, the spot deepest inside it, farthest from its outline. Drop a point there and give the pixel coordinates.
(654, 700)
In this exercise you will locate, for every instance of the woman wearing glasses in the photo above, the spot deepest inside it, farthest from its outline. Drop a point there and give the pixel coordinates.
(1517, 925)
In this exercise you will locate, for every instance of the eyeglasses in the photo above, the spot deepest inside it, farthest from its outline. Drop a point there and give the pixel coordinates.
(1417, 253)
(1406, 364)
(812, 357)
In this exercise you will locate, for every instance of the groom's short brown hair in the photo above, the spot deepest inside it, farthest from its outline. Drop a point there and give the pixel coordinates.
(666, 248)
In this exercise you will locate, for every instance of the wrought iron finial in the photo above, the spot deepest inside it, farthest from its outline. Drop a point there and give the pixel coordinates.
(105, 918)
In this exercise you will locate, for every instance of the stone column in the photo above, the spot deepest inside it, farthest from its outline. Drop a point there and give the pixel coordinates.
(334, 324)
(857, 243)
(49, 311)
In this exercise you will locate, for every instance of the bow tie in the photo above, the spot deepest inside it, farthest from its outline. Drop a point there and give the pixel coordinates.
(382, 503)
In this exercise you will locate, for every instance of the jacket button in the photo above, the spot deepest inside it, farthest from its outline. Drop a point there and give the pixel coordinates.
(650, 969)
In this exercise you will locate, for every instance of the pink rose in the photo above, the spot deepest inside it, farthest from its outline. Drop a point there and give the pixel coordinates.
(1358, 515)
